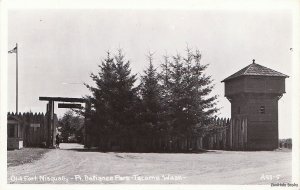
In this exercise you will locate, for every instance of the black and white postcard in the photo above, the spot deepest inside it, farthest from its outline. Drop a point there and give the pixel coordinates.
(154, 93)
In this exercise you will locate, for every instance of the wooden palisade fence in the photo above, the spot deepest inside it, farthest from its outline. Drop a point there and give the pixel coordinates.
(220, 134)
(32, 128)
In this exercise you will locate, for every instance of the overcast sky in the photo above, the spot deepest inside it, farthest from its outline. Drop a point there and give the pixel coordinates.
(58, 49)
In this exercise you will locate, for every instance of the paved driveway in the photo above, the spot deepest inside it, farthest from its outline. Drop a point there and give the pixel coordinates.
(73, 164)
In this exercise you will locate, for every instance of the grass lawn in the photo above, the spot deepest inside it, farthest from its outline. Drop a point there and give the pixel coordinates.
(25, 155)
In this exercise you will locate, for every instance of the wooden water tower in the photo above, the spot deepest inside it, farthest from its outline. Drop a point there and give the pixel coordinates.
(254, 92)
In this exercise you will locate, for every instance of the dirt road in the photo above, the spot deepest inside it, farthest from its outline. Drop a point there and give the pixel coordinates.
(73, 164)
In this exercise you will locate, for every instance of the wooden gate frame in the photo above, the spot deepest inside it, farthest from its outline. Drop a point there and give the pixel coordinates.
(50, 114)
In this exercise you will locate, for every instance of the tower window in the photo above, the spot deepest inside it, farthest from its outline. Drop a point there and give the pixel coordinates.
(262, 109)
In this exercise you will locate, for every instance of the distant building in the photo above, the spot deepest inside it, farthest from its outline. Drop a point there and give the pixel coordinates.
(254, 92)
(285, 143)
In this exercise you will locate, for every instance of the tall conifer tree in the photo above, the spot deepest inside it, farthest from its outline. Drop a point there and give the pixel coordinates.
(151, 99)
(113, 98)
(191, 106)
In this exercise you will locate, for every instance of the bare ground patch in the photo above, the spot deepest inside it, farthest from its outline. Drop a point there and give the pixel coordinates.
(215, 167)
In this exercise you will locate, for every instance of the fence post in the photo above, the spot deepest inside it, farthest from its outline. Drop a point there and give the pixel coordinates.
(246, 130)
(230, 134)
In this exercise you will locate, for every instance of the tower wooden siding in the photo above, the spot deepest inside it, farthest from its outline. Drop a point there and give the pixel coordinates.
(254, 84)
(263, 128)
(254, 92)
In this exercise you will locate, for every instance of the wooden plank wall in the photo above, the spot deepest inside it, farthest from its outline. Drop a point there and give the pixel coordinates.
(33, 136)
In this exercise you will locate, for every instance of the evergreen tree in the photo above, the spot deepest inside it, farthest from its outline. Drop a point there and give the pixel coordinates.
(201, 107)
(165, 82)
(190, 105)
(113, 99)
(177, 96)
(205, 103)
(151, 100)
(100, 115)
(125, 96)
(175, 102)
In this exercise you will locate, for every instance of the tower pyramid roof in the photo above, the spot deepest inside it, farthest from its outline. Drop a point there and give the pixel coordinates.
(255, 69)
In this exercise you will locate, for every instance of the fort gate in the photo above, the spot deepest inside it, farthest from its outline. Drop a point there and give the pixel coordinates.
(71, 103)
